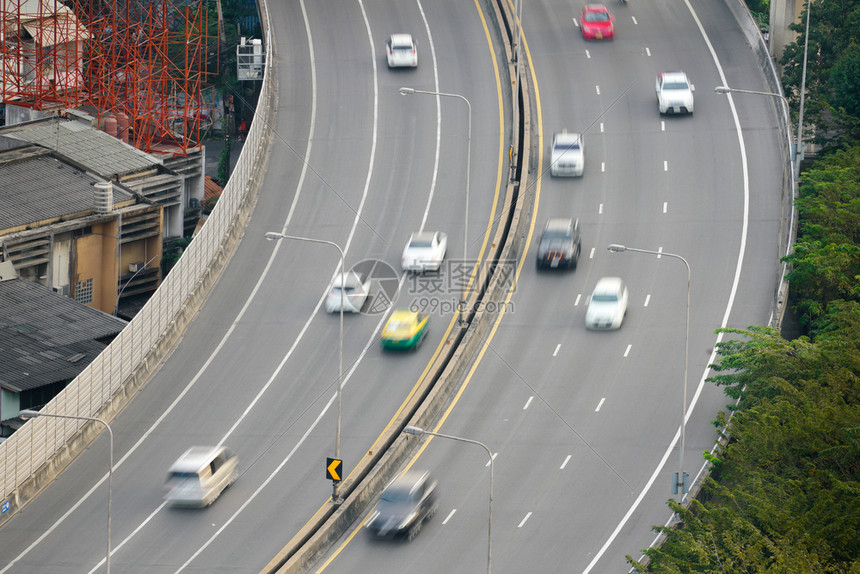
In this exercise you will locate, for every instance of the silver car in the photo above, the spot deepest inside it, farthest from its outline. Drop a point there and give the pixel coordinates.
(354, 294)
(674, 93)
(568, 154)
(200, 475)
(401, 51)
(607, 305)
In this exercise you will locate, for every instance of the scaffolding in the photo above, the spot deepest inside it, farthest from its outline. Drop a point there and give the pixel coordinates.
(140, 65)
(41, 54)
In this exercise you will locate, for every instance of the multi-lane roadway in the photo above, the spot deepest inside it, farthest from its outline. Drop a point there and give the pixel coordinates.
(581, 421)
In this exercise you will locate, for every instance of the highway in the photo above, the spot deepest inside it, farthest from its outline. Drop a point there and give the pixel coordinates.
(581, 421)
(353, 162)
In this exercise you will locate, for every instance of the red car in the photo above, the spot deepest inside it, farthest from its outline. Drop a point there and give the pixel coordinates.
(596, 22)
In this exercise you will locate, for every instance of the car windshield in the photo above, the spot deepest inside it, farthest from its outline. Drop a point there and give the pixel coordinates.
(347, 289)
(597, 17)
(421, 243)
(555, 234)
(567, 146)
(605, 297)
(396, 495)
(398, 324)
(675, 86)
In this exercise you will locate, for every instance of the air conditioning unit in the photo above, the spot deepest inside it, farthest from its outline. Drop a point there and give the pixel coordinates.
(135, 267)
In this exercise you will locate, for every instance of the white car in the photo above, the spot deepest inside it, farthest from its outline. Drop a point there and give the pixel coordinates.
(674, 93)
(402, 52)
(608, 304)
(425, 251)
(568, 154)
(354, 294)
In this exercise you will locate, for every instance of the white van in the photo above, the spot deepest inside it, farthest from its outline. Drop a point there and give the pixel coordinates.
(200, 475)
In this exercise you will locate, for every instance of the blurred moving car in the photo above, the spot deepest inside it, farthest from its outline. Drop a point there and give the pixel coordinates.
(407, 501)
(405, 329)
(355, 293)
(424, 251)
(200, 475)
(559, 245)
(401, 51)
(608, 304)
(568, 154)
(674, 93)
(596, 22)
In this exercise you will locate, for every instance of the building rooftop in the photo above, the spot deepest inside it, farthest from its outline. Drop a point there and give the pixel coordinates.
(39, 187)
(84, 145)
(47, 338)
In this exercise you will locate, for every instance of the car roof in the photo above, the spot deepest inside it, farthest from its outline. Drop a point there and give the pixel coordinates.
(402, 315)
(351, 278)
(609, 285)
(673, 76)
(195, 458)
(423, 236)
(401, 39)
(567, 137)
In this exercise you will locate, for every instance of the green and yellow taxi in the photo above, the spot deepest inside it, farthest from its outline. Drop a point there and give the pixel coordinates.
(404, 330)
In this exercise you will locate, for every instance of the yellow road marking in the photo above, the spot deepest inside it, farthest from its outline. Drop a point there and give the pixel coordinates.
(510, 292)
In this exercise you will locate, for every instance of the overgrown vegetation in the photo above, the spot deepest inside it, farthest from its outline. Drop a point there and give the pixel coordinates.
(784, 492)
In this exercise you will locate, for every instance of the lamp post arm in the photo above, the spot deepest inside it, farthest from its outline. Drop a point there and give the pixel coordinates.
(116, 306)
(492, 463)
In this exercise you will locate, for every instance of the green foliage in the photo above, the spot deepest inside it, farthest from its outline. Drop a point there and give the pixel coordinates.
(784, 493)
(834, 33)
(825, 264)
(760, 10)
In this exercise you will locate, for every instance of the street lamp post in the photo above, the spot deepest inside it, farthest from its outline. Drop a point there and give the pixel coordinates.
(270, 235)
(116, 307)
(420, 431)
(797, 151)
(680, 483)
(30, 414)
(409, 91)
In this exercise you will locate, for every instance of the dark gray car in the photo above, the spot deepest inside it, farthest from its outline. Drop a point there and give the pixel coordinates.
(405, 504)
(559, 245)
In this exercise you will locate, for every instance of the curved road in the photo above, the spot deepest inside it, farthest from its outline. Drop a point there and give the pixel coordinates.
(352, 162)
(585, 424)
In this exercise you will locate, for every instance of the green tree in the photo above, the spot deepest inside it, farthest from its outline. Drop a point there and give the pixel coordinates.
(833, 29)
(784, 492)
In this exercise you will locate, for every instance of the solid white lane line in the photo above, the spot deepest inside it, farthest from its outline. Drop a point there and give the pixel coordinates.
(627, 351)
(450, 514)
(578, 296)
(647, 299)
(600, 404)
(564, 464)
(528, 402)
(524, 520)
(729, 305)
(557, 347)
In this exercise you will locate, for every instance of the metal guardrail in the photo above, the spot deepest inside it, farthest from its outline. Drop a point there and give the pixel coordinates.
(34, 455)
